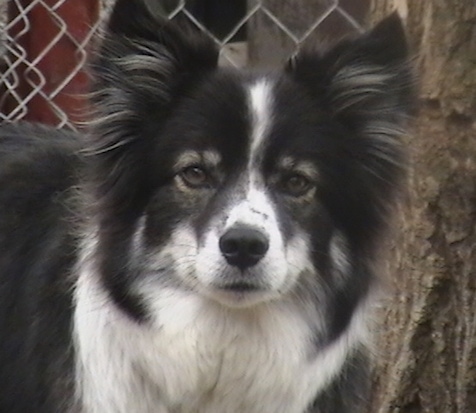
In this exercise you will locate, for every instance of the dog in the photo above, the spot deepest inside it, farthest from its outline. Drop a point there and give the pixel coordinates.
(209, 245)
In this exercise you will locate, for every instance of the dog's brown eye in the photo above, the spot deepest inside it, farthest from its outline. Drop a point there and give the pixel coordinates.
(295, 184)
(195, 176)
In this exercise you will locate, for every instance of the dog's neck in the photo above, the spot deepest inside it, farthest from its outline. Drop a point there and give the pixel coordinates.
(194, 351)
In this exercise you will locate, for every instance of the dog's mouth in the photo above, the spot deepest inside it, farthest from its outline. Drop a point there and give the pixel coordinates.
(240, 287)
(239, 294)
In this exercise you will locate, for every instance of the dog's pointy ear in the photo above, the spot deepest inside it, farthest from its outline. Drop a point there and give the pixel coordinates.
(367, 86)
(144, 61)
(149, 55)
(367, 77)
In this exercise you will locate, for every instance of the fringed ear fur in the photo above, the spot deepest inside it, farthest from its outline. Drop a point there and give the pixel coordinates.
(142, 59)
(142, 62)
(369, 76)
(367, 86)
(142, 50)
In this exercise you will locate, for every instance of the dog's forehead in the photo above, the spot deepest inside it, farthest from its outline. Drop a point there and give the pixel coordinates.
(241, 118)
(281, 121)
(260, 106)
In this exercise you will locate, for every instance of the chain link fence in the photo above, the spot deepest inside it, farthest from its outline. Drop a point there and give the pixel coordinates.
(45, 44)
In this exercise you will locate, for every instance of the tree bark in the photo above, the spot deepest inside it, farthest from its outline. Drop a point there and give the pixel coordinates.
(427, 343)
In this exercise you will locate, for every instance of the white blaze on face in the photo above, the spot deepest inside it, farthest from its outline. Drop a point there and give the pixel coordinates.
(261, 108)
(255, 208)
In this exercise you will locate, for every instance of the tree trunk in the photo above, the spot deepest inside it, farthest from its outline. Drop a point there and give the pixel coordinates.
(427, 346)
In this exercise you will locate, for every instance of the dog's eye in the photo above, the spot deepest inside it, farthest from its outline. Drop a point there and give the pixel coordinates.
(195, 176)
(295, 184)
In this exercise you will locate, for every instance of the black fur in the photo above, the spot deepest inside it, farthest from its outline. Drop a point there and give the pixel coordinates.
(37, 169)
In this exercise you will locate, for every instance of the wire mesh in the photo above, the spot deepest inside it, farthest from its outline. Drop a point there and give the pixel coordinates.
(45, 44)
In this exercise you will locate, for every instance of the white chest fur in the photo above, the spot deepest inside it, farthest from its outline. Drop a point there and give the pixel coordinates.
(199, 357)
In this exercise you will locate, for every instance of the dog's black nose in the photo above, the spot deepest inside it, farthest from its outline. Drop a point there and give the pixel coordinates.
(243, 247)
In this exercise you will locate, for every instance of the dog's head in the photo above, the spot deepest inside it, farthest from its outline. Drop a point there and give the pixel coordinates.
(238, 186)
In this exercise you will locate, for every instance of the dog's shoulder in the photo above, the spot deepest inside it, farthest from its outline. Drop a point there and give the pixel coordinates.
(37, 167)
(33, 154)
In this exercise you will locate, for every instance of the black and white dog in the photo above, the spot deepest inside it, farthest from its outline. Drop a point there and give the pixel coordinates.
(210, 248)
